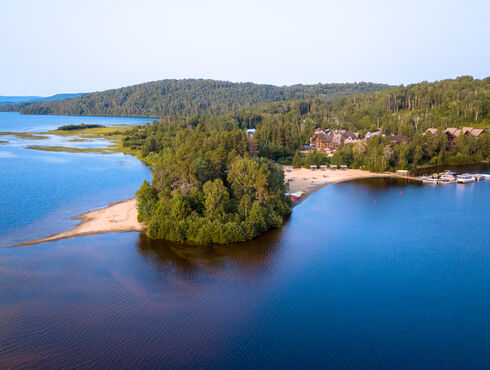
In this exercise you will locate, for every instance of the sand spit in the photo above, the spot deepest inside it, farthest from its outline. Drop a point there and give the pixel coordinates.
(117, 217)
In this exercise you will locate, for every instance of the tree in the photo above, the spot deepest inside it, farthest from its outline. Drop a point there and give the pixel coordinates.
(297, 160)
(216, 198)
(146, 198)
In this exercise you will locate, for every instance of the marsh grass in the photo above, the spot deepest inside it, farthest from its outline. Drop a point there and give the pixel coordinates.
(25, 135)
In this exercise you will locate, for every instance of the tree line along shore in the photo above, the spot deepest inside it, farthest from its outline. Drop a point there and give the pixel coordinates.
(214, 183)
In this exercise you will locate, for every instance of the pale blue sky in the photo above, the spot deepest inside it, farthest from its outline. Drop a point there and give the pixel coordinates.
(49, 47)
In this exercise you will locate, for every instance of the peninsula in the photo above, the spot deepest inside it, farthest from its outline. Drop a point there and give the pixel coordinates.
(123, 216)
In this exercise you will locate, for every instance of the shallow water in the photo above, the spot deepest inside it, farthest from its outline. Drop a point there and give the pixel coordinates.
(40, 191)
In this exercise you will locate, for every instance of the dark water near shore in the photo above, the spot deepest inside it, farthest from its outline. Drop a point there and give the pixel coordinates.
(371, 273)
(400, 283)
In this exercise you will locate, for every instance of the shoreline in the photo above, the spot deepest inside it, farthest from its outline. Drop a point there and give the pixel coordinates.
(122, 216)
(310, 181)
(116, 217)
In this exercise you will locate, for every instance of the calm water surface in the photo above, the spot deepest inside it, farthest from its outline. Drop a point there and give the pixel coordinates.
(347, 282)
(40, 191)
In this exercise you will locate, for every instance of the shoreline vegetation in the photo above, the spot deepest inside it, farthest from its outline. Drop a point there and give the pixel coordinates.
(123, 216)
(217, 174)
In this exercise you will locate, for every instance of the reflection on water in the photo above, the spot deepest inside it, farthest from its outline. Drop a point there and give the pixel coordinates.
(191, 262)
(345, 283)
(466, 168)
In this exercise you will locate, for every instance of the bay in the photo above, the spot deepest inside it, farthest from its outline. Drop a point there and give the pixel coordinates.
(370, 273)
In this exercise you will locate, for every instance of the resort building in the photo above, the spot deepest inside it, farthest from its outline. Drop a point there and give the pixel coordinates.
(431, 131)
(453, 133)
(398, 139)
(476, 132)
(329, 140)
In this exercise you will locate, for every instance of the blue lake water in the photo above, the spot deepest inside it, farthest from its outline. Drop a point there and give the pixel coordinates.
(16, 122)
(41, 191)
(401, 282)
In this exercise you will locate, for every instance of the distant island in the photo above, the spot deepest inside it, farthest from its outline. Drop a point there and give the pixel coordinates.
(218, 148)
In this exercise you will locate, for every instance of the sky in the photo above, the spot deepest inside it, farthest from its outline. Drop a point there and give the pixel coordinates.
(51, 46)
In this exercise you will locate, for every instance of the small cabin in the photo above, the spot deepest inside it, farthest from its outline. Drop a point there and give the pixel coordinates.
(289, 168)
(323, 167)
(333, 167)
(343, 167)
(313, 167)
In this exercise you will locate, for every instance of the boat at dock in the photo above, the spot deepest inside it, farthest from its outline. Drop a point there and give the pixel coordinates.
(448, 173)
(450, 177)
(481, 176)
(429, 180)
(465, 178)
(444, 180)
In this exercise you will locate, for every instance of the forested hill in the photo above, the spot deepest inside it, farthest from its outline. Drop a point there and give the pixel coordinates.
(187, 97)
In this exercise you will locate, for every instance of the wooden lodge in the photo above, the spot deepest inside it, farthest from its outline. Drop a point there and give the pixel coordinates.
(453, 133)
(329, 140)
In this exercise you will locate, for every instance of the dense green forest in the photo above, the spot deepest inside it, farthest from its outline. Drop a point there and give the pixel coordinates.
(81, 126)
(214, 183)
(283, 127)
(186, 98)
(208, 184)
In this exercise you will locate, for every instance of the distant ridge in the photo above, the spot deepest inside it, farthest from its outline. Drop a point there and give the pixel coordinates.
(4, 100)
(187, 97)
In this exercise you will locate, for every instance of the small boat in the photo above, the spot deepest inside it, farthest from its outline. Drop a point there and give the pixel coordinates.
(465, 178)
(444, 181)
(429, 180)
(447, 179)
(480, 177)
(448, 172)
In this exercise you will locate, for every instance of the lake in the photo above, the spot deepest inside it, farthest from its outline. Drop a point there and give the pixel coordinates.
(40, 191)
(370, 273)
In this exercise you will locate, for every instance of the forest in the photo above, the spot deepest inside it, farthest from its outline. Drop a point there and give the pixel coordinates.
(209, 185)
(186, 98)
(213, 183)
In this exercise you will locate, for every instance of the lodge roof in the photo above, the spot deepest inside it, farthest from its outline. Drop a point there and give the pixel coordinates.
(473, 131)
(431, 130)
(398, 139)
(335, 136)
(453, 131)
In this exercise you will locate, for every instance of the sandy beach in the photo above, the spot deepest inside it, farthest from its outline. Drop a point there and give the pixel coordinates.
(122, 216)
(117, 217)
(309, 181)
